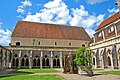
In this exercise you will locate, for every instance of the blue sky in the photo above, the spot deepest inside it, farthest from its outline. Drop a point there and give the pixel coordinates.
(84, 13)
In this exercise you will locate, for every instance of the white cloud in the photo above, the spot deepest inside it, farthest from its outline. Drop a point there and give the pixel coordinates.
(26, 3)
(81, 17)
(5, 37)
(57, 12)
(54, 12)
(20, 9)
(113, 10)
(95, 1)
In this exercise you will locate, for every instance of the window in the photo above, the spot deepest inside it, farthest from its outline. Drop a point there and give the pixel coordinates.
(39, 43)
(17, 43)
(55, 43)
(111, 29)
(33, 41)
(69, 44)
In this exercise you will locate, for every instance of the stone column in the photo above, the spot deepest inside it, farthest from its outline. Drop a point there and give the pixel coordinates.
(61, 61)
(51, 59)
(3, 59)
(103, 35)
(19, 64)
(41, 59)
(115, 30)
(30, 59)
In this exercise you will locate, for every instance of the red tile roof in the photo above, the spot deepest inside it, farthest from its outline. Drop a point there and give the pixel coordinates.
(109, 20)
(26, 29)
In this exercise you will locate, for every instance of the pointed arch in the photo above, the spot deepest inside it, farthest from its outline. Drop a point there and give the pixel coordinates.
(13, 62)
(17, 61)
(38, 62)
(23, 61)
(27, 62)
(34, 62)
(47, 62)
(58, 62)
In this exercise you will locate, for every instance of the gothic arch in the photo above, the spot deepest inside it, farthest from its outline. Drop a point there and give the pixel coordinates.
(56, 61)
(36, 61)
(25, 61)
(15, 61)
(45, 61)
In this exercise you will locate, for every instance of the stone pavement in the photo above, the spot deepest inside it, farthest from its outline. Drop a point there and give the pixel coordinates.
(71, 76)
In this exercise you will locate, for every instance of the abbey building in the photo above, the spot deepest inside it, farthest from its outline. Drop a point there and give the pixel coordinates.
(41, 45)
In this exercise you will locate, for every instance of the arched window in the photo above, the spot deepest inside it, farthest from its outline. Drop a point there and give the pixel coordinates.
(69, 44)
(55, 43)
(39, 43)
(17, 43)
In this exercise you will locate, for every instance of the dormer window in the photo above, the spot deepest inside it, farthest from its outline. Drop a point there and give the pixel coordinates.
(111, 29)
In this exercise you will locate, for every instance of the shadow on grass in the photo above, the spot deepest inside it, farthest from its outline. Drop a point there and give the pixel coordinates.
(94, 75)
(22, 72)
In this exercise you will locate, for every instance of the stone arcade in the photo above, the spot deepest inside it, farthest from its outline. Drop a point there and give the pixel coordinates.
(106, 44)
(41, 45)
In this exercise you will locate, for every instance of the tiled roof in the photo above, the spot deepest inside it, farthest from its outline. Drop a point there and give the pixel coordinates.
(26, 29)
(109, 20)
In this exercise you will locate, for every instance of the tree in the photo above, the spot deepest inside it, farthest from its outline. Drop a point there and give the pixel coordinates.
(84, 59)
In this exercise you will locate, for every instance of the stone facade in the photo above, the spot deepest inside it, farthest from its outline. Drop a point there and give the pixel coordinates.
(5, 58)
(106, 44)
(44, 51)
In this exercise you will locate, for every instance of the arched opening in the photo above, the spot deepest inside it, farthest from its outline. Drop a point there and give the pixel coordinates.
(93, 61)
(38, 62)
(27, 62)
(17, 43)
(34, 62)
(17, 61)
(39, 43)
(23, 61)
(47, 62)
(13, 62)
(109, 61)
(54, 62)
(58, 62)
(43, 62)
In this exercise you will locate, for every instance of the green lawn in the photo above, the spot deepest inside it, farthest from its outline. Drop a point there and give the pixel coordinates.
(112, 72)
(35, 71)
(31, 77)
(97, 69)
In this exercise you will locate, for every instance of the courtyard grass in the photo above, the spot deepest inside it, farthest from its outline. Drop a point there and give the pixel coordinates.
(35, 71)
(97, 69)
(31, 77)
(112, 72)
